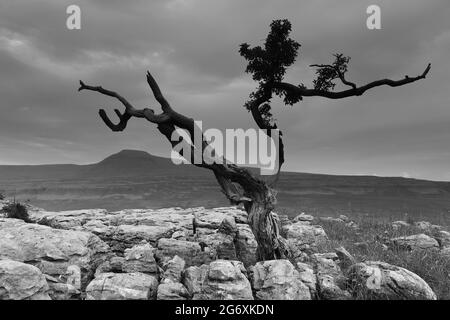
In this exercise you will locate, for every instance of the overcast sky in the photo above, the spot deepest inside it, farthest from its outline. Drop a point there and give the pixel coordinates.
(191, 47)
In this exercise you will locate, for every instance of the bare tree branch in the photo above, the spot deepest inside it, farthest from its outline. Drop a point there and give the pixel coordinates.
(358, 91)
(113, 94)
(157, 93)
(167, 122)
(129, 112)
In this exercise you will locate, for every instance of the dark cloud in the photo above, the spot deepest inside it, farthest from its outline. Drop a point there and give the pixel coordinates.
(191, 46)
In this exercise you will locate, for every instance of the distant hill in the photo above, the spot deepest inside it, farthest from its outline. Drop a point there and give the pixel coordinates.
(123, 163)
(133, 179)
(138, 163)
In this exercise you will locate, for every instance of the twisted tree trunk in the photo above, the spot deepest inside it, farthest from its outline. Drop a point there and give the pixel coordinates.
(265, 228)
(238, 184)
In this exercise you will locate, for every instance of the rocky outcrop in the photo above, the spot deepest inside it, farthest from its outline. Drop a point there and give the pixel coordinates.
(122, 286)
(51, 250)
(380, 280)
(20, 281)
(220, 233)
(193, 254)
(278, 280)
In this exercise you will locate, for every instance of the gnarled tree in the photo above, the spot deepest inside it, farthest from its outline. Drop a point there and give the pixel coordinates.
(267, 65)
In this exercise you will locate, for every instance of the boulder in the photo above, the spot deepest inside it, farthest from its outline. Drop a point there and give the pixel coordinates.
(172, 291)
(20, 281)
(219, 245)
(330, 279)
(60, 290)
(427, 227)
(303, 217)
(228, 226)
(414, 242)
(396, 225)
(220, 280)
(52, 250)
(278, 280)
(122, 286)
(173, 269)
(380, 280)
(443, 237)
(73, 277)
(140, 258)
(302, 236)
(194, 277)
(114, 264)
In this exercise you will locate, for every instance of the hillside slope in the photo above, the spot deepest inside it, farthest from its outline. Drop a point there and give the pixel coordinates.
(131, 179)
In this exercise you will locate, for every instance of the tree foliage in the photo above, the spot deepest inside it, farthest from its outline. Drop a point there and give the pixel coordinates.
(326, 74)
(268, 64)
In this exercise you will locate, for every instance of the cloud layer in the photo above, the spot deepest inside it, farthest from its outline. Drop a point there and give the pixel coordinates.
(191, 46)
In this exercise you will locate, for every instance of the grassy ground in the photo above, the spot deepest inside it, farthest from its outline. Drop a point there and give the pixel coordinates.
(430, 266)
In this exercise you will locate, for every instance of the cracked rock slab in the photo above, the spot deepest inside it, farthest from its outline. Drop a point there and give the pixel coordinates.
(122, 286)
